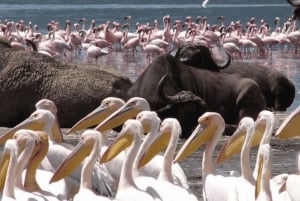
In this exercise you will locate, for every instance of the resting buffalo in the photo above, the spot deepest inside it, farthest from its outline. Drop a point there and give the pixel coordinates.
(174, 89)
(296, 5)
(278, 90)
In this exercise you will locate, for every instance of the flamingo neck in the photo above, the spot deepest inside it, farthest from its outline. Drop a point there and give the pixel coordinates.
(126, 177)
(88, 166)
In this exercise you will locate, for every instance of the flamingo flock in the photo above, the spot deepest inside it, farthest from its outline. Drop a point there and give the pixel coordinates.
(77, 41)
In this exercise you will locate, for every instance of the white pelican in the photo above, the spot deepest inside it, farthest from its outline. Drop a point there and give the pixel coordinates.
(262, 187)
(127, 188)
(289, 128)
(170, 131)
(47, 104)
(31, 183)
(10, 150)
(131, 109)
(150, 120)
(26, 146)
(106, 108)
(43, 120)
(243, 134)
(215, 186)
(261, 135)
(88, 147)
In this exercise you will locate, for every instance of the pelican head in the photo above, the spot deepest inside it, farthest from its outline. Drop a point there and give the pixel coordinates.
(131, 108)
(106, 108)
(169, 127)
(208, 124)
(234, 144)
(40, 120)
(148, 119)
(131, 129)
(47, 104)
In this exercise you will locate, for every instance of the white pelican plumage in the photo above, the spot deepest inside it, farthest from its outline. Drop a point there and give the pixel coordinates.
(244, 134)
(47, 104)
(170, 131)
(262, 187)
(127, 188)
(151, 121)
(27, 148)
(129, 110)
(210, 128)
(43, 120)
(289, 128)
(59, 189)
(106, 108)
(88, 147)
(260, 135)
(10, 150)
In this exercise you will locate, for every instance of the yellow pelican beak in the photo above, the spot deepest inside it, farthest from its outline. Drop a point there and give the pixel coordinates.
(202, 134)
(79, 153)
(56, 131)
(233, 146)
(158, 145)
(259, 176)
(106, 108)
(127, 111)
(290, 127)
(123, 141)
(29, 123)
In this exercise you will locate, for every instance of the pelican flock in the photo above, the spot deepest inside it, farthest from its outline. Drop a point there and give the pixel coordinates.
(126, 152)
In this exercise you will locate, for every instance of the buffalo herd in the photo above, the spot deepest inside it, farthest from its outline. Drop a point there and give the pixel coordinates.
(191, 82)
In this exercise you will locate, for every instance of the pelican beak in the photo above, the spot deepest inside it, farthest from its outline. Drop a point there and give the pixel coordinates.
(259, 176)
(202, 133)
(79, 153)
(92, 119)
(56, 131)
(39, 153)
(290, 127)
(259, 130)
(117, 118)
(29, 123)
(158, 145)
(123, 141)
(233, 146)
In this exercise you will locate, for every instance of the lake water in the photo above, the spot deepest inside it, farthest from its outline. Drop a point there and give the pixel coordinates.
(41, 13)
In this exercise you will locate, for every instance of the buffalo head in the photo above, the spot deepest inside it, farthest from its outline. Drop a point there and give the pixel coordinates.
(200, 56)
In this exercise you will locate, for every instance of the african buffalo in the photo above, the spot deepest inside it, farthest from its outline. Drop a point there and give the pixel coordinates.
(296, 5)
(177, 90)
(278, 90)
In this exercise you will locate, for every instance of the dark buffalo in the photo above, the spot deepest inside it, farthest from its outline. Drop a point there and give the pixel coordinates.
(174, 89)
(296, 5)
(278, 90)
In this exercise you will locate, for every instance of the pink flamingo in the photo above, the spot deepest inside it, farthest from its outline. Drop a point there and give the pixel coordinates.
(94, 52)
